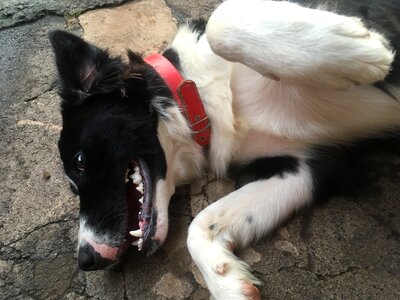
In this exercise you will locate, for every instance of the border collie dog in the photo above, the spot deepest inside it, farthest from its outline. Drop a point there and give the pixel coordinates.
(286, 89)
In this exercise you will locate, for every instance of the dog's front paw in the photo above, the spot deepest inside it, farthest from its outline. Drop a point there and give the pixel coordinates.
(225, 284)
(229, 278)
(226, 275)
(359, 55)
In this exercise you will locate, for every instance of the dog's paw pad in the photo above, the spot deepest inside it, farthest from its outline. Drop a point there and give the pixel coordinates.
(221, 268)
(231, 246)
(250, 291)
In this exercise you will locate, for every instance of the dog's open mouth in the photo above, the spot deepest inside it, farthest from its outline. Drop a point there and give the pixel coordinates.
(141, 216)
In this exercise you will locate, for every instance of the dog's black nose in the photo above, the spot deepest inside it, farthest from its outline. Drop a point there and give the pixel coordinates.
(86, 257)
(90, 260)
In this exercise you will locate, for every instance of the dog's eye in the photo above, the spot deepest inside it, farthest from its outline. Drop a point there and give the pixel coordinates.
(79, 161)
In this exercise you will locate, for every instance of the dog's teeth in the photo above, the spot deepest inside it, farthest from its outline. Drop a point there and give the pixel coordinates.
(136, 169)
(135, 243)
(140, 244)
(141, 200)
(136, 178)
(137, 233)
(140, 188)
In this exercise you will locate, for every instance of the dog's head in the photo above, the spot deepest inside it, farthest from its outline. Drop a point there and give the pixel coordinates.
(110, 148)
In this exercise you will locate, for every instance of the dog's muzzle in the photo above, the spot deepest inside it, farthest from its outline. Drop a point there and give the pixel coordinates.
(93, 256)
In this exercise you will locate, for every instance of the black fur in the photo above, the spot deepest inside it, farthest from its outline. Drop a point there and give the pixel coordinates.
(84, 69)
(344, 169)
(173, 57)
(264, 168)
(111, 120)
(199, 26)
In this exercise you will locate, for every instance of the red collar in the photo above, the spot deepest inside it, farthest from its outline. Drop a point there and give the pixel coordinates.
(186, 96)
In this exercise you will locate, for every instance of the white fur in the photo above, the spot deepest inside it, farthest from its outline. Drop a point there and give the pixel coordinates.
(212, 77)
(274, 78)
(164, 191)
(304, 114)
(299, 44)
(87, 232)
(72, 183)
(239, 218)
(185, 161)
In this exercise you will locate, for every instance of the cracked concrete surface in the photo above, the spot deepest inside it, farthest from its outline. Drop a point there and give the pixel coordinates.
(347, 248)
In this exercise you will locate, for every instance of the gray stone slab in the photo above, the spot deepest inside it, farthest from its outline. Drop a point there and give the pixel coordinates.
(37, 211)
(13, 12)
(343, 251)
(129, 26)
(29, 132)
(184, 10)
(26, 63)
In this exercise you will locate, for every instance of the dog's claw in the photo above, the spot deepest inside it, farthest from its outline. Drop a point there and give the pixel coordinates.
(251, 291)
(140, 188)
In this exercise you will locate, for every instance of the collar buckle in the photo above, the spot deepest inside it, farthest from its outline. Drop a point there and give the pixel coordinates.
(186, 96)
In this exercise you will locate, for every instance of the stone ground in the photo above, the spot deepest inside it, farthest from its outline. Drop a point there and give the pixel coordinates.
(346, 248)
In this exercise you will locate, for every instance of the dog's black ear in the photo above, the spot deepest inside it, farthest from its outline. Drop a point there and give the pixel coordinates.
(134, 58)
(84, 69)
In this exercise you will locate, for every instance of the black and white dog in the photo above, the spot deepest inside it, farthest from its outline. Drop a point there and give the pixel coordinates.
(281, 84)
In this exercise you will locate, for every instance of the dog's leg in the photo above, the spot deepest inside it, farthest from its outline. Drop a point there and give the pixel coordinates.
(236, 220)
(283, 40)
